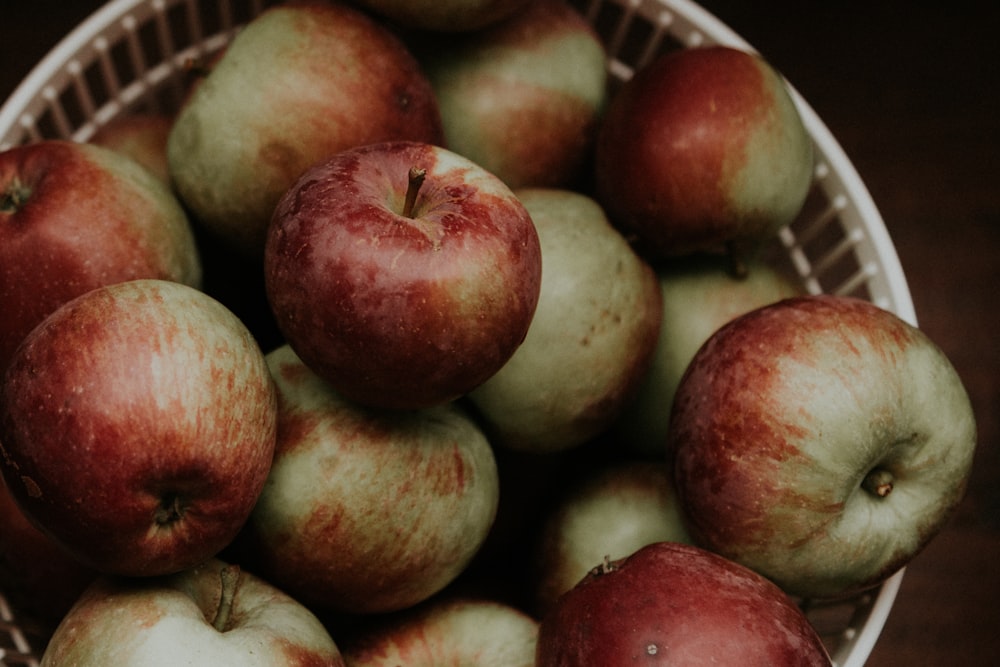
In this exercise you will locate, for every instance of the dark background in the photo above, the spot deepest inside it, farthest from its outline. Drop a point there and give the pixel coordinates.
(912, 93)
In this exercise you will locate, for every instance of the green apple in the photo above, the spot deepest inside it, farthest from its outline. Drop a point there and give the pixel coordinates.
(301, 81)
(609, 513)
(212, 614)
(821, 441)
(592, 336)
(368, 511)
(522, 98)
(700, 294)
(447, 631)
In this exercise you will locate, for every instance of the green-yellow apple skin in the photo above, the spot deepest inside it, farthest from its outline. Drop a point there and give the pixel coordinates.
(368, 511)
(301, 81)
(523, 97)
(703, 147)
(74, 217)
(591, 339)
(445, 16)
(138, 425)
(170, 620)
(609, 513)
(700, 294)
(451, 630)
(821, 441)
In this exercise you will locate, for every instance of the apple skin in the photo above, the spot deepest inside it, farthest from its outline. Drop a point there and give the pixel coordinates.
(396, 311)
(74, 217)
(138, 425)
(610, 512)
(788, 421)
(169, 620)
(701, 148)
(36, 575)
(447, 632)
(522, 98)
(675, 604)
(142, 137)
(301, 81)
(700, 293)
(368, 511)
(592, 336)
(447, 16)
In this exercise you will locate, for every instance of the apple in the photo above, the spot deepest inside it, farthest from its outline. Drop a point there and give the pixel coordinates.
(447, 16)
(140, 136)
(402, 273)
(36, 575)
(447, 631)
(137, 425)
(592, 336)
(523, 97)
(610, 512)
(301, 81)
(74, 217)
(700, 294)
(676, 604)
(821, 441)
(703, 148)
(211, 614)
(368, 511)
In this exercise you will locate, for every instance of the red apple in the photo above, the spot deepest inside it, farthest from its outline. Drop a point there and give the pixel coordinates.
(444, 632)
(522, 98)
(36, 575)
(674, 604)
(449, 16)
(611, 512)
(212, 614)
(137, 425)
(403, 274)
(821, 441)
(368, 511)
(592, 336)
(700, 294)
(301, 81)
(701, 148)
(74, 217)
(140, 136)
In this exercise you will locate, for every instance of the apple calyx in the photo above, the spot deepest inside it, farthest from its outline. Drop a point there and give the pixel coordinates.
(171, 510)
(737, 264)
(14, 196)
(878, 482)
(416, 180)
(229, 577)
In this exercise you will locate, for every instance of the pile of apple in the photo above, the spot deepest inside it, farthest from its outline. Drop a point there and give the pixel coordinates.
(413, 339)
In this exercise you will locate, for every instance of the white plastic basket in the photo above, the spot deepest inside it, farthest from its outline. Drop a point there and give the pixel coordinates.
(134, 55)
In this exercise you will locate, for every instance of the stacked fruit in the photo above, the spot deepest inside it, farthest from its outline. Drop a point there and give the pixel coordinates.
(414, 339)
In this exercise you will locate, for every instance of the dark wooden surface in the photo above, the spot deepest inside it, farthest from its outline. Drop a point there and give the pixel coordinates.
(912, 93)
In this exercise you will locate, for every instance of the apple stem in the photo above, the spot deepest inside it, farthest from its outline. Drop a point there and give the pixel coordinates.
(417, 176)
(229, 576)
(605, 566)
(737, 266)
(878, 482)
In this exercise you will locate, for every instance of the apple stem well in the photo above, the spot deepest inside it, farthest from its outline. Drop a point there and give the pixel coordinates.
(878, 482)
(416, 180)
(229, 577)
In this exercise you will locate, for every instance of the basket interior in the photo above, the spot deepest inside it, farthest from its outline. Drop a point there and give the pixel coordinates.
(140, 57)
